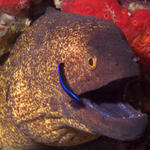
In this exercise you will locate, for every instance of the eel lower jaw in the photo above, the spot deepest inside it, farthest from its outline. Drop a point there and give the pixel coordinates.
(113, 118)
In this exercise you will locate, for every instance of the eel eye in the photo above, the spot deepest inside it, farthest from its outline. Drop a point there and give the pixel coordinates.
(92, 62)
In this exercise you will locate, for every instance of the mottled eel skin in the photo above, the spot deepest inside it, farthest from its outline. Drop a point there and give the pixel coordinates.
(34, 108)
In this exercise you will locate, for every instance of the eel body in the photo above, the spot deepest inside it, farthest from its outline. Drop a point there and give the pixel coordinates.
(34, 108)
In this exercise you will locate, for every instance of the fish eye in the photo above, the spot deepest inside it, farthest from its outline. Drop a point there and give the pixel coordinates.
(92, 60)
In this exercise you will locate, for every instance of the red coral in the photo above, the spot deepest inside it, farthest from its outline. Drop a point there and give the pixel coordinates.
(141, 46)
(131, 23)
(13, 6)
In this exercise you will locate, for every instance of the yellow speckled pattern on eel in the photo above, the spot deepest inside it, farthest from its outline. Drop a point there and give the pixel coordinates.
(34, 108)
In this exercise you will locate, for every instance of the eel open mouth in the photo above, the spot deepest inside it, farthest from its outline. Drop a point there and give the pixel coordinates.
(107, 112)
(119, 120)
(110, 100)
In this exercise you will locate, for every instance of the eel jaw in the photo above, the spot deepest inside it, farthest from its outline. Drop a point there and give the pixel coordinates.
(111, 118)
(124, 124)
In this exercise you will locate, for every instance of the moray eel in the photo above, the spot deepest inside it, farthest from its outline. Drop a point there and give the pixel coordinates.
(95, 60)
